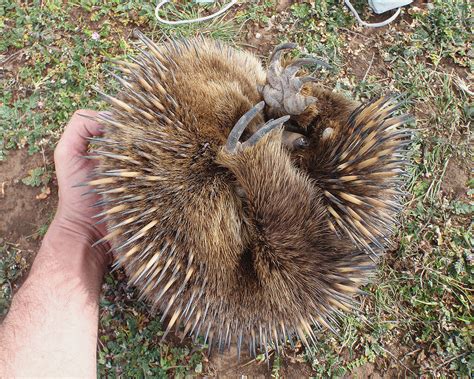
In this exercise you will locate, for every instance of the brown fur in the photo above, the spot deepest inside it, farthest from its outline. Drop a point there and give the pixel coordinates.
(260, 267)
(330, 110)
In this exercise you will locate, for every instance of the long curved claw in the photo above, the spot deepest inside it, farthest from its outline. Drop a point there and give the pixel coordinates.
(294, 66)
(265, 129)
(274, 67)
(241, 125)
(297, 83)
(278, 50)
(307, 79)
(232, 145)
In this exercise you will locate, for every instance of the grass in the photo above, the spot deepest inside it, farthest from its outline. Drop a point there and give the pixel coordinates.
(322, 21)
(418, 314)
(12, 267)
(130, 340)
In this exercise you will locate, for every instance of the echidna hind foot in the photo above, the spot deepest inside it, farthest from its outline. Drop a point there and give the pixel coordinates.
(282, 90)
(222, 228)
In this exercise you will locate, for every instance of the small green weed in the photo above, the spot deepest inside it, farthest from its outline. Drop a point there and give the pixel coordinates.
(316, 27)
(444, 30)
(257, 12)
(131, 340)
(12, 266)
(218, 28)
(37, 177)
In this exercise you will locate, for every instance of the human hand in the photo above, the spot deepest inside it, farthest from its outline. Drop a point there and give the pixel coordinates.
(51, 329)
(73, 220)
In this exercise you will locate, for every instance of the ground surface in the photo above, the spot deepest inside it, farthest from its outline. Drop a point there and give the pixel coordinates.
(419, 309)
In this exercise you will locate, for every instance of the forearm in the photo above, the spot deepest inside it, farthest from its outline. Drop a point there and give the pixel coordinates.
(51, 329)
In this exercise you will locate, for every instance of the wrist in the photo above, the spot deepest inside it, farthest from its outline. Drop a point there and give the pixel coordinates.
(67, 257)
(77, 227)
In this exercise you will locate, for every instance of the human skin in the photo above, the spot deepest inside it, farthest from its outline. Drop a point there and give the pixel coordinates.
(51, 328)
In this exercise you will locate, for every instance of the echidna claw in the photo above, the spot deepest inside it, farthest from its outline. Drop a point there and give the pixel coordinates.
(282, 92)
(241, 125)
(265, 129)
(282, 46)
(293, 67)
(239, 128)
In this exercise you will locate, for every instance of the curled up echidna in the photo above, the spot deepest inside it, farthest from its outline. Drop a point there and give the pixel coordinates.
(245, 205)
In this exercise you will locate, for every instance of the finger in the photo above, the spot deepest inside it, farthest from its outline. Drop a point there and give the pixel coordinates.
(82, 126)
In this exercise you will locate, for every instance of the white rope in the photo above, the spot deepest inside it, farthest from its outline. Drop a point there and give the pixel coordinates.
(199, 19)
(374, 25)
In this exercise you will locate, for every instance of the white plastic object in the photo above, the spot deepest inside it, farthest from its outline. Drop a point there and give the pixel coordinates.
(381, 6)
(199, 19)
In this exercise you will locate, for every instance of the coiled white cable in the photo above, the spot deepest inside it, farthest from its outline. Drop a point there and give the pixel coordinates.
(374, 25)
(233, 2)
(199, 19)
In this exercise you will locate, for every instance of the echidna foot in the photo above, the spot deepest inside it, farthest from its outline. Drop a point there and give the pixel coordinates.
(282, 91)
(233, 144)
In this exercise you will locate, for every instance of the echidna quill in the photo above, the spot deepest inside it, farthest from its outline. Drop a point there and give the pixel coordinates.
(234, 225)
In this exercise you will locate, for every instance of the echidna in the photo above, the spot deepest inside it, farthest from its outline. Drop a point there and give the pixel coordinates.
(226, 229)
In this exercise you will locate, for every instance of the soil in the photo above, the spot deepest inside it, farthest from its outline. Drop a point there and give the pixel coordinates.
(455, 180)
(260, 38)
(283, 4)
(24, 213)
(227, 365)
(23, 207)
(260, 41)
(364, 61)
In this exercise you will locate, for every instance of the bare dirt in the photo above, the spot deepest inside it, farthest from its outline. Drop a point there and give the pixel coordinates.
(23, 212)
(260, 37)
(455, 180)
(364, 58)
(227, 365)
